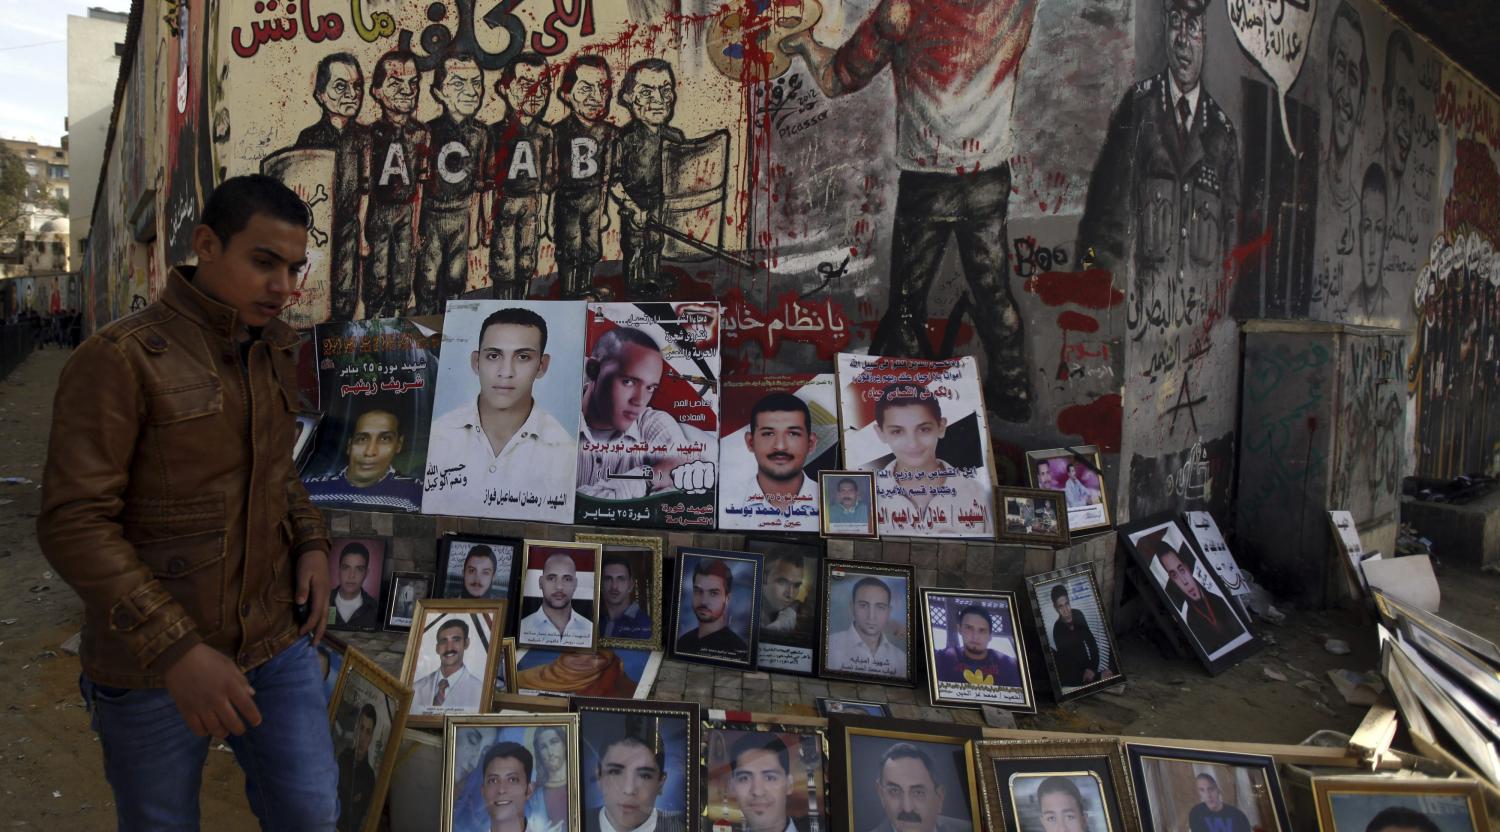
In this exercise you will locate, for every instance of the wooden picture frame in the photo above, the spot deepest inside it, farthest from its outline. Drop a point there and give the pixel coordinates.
(533, 732)
(951, 671)
(783, 648)
(760, 745)
(859, 748)
(473, 614)
(1084, 601)
(622, 545)
(601, 722)
(505, 668)
(1167, 779)
(838, 657)
(1013, 773)
(1339, 800)
(533, 627)
(734, 644)
(396, 702)
(829, 707)
(1031, 516)
(828, 499)
(1085, 516)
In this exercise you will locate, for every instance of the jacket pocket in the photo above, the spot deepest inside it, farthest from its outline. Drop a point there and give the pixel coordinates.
(181, 402)
(191, 568)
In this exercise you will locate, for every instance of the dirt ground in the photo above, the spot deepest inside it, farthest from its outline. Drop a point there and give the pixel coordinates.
(50, 767)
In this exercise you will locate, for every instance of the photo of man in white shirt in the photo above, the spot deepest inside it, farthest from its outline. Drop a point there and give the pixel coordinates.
(555, 623)
(452, 688)
(781, 440)
(864, 646)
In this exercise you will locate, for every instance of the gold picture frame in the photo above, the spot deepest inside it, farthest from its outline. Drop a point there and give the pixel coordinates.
(357, 663)
(1326, 789)
(530, 726)
(1018, 528)
(825, 504)
(1068, 759)
(653, 605)
(493, 611)
(858, 769)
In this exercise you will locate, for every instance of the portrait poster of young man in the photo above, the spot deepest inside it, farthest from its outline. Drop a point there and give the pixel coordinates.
(777, 433)
(920, 425)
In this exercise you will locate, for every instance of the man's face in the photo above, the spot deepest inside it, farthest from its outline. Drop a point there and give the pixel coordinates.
(352, 569)
(506, 789)
(1064, 609)
(1185, 44)
(479, 575)
(781, 442)
(785, 581)
(1061, 813)
(364, 731)
(1209, 794)
(397, 93)
(975, 632)
(451, 644)
(344, 90)
(872, 609)
(654, 97)
(1043, 474)
(463, 90)
(1400, 113)
(1180, 574)
(527, 93)
(912, 433)
(848, 494)
(1372, 215)
(559, 582)
(256, 272)
(375, 442)
(631, 781)
(626, 384)
(618, 587)
(709, 598)
(590, 94)
(910, 797)
(1346, 83)
(508, 362)
(760, 787)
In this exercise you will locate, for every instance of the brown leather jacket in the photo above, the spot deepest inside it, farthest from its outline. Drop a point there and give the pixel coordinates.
(170, 502)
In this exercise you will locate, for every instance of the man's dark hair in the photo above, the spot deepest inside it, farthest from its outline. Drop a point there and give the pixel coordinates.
(454, 622)
(440, 72)
(617, 560)
(716, 569)
(975, 609)
(781, 402)
(355, 549)
(907, 751)
(1398, 817)
(1397, 43)
(482, 551)
(394, 56)
(508, 72)
(1059, 591)
(784, 557)
(864, 582)
(612, 341)
(1210, 778)
(516, 316)
(325, 68)
(755, 741)
(506, 751)
(570, 73)
(631, 739)
(1060, 785)
(1346, 13)
(1374, 180)
(377, 408)
(849, 480)
(367, 711)
(238, 198)
(905, 395)
(627, 86)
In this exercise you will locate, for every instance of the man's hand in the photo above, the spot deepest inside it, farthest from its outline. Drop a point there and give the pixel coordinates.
(312, 588)
(1088, 676)
(212, 694)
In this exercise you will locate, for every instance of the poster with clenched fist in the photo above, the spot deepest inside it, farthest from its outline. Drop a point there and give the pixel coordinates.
(648, 448)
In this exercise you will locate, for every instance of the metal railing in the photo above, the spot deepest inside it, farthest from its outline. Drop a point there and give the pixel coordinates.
(16, 342)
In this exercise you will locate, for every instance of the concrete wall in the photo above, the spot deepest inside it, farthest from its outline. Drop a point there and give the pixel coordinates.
(92, 70)
(1337, 169)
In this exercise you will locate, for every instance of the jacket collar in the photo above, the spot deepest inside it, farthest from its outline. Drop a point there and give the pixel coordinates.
(192, 303)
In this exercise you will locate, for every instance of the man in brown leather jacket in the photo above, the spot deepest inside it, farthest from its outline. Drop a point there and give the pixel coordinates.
(172, 507)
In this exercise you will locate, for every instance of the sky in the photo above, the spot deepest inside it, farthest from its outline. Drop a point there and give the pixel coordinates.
(34, 65)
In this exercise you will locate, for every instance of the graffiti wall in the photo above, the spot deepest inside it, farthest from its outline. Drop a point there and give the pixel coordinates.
(1088, 196)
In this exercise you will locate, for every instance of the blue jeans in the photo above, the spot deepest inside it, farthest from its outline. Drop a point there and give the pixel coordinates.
(154, 762)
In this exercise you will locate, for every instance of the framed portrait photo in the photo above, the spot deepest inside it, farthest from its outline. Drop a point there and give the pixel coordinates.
(407, 588)
(776, 434)
(636, 758)
(607, 671)
(847, 500)
(629, 590)
(505, 667)
(1032, 515)
(477, 567)
(1077, 642)
(1357, 804)
(1077, 473)
(903, 774)
(1195, 599)
(975, 652)
(764, 776)
(1055, 784)
(306, 430)
(1188, 788)
(366, 714)
(356, 569)
(717, 607)
(501, 770)
(867, 622)
(788, 605)
(558, 595)
(451, 655)
(828, 707)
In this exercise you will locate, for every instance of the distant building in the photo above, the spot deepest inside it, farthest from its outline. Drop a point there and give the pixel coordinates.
(95, 44)
(50, 184)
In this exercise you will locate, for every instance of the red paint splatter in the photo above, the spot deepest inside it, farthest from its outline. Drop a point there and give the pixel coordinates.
(1070, 321)
(1098, 422)
(1090, 288)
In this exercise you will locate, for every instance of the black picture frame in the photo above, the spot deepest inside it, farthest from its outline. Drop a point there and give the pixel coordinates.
(1149, 764)
(836, 666)
(454, 544)
(939, 606)
(683, 591)
(1012, 528)
(829, 707)
(1083, 600)
(795, 651)
(1011, 771)
(806, 749)
(395, 602)
(601, 720)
